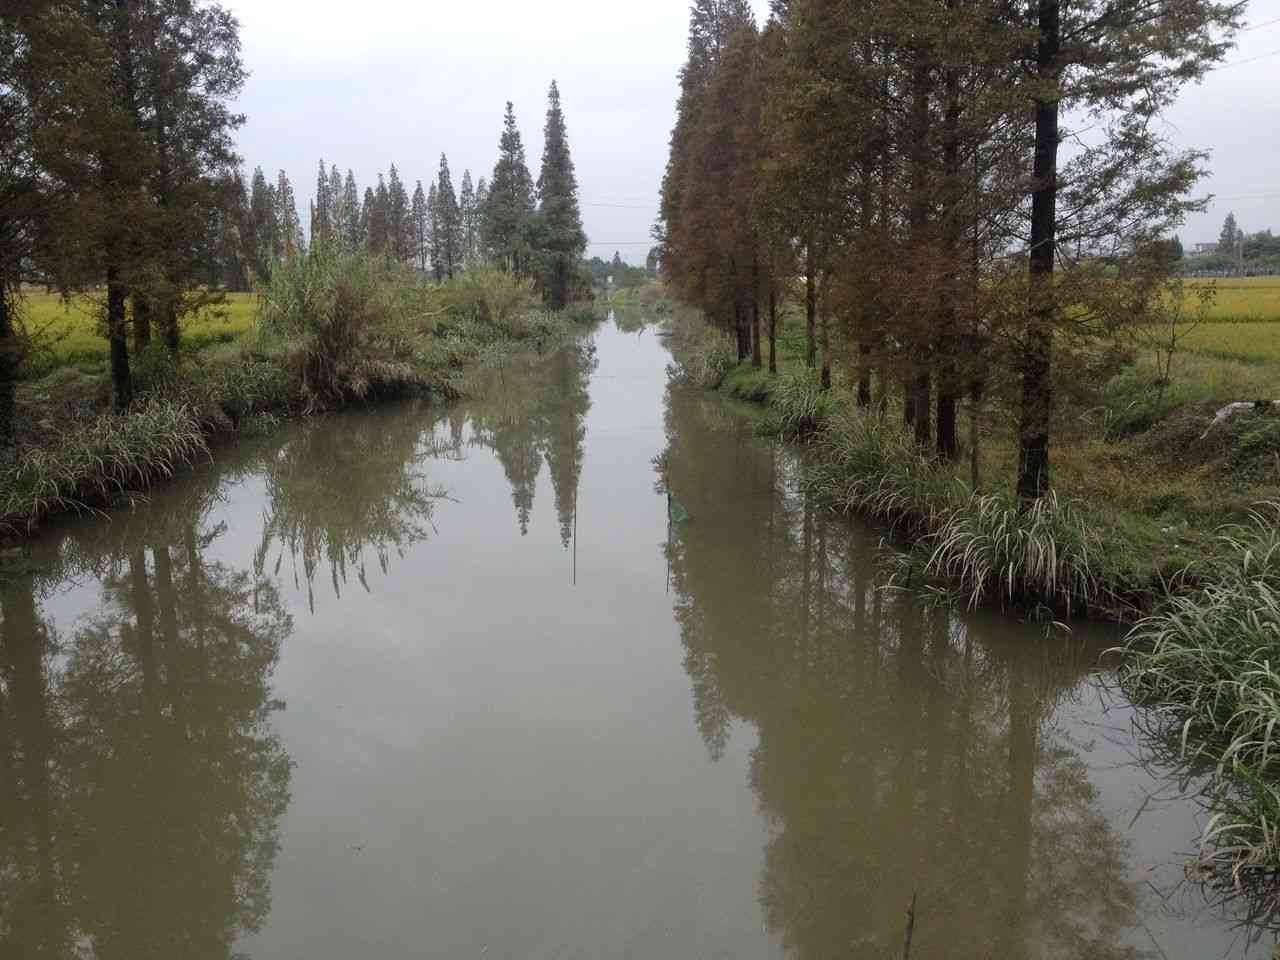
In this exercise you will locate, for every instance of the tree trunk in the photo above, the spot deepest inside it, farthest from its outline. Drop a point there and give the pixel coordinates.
(8, 366)
(755, 312)
(920, 340)
(773, 329)
(864, 375)
(810, 310)
(117, 331)
(949, 380)
(825, 333)
(141, 324)
(976, 392)
(920, 389)
(1037, 358)
(167, 302)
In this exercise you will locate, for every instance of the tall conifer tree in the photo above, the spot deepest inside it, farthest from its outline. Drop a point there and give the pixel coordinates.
(448, 220)
(321, 225)
(510, 204)
(467, 213)
(418, 218)
(563, 239)
(352, 219)
(399, 227)
(289, 224)
(435, 236)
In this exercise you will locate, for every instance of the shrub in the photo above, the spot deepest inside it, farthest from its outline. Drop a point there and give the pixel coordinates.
(703, 355)
(798, 406)
(990, 544)
(491, 297)
(349, 324)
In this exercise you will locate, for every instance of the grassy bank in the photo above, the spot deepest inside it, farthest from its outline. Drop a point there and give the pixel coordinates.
(1155, 518)
(1141, 472)
(325, 332)
(1208, 665)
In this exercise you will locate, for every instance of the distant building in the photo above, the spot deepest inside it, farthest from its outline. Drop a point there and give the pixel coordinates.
(1204, 249)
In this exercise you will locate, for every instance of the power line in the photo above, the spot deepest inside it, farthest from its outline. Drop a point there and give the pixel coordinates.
(620, 206)
(1259, 26)
(1236, 63)
(1248, 196)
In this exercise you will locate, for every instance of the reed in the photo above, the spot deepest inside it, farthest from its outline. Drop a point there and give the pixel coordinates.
(112, 456)
(348, 325)
(1208, 665)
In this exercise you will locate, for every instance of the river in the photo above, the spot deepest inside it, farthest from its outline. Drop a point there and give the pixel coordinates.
(417, 681)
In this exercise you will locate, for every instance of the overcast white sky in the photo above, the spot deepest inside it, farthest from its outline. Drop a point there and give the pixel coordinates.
(397, 81)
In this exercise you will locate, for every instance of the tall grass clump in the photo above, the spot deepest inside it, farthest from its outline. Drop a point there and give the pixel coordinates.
(1209, 667)
(798, 406)
(348, 325)
(865, 464)
(493, 298)
(702, 355)
(991, 547)
(995, 548)
(108, 457)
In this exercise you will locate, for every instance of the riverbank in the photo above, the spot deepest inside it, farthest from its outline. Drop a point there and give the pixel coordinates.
(1203, 591)
(1144, 484)
(327, 333)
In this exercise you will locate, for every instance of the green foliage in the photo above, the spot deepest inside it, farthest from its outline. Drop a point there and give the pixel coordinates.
(348, 325)
(510, 200)
(798, 406)
(492, 297)
(704, 356)
(563, 239)
(109, 457)
(1208, 664)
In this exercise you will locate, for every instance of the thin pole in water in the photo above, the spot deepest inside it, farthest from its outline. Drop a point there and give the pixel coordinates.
(911, 925)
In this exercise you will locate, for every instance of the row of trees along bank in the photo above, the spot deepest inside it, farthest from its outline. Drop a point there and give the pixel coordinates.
(972, 193)
(118, 175)
(532, 228)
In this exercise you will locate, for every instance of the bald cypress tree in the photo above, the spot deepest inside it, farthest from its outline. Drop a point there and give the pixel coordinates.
(321, 225)
(336, 225)
(435, 236)
(1127, 61)
(399, 227)
(418, 219)
(448, 221)
(480, 249)
(352, 221)
(378, 218)
(467, 214)
(290, 225)
(510, 204)
(563, 240)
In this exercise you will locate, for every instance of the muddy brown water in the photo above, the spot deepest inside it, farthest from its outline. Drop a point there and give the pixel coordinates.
(427, 682)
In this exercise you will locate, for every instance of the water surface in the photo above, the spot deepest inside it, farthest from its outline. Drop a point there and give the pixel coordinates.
(443, 682)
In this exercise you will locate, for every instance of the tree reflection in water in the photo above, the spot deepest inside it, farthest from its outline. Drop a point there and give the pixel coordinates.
(535, 411)
(902, 749)
(141, 784)
(345, 487)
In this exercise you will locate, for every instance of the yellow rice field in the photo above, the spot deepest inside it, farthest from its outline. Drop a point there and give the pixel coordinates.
(1239, 299)
(67, 333)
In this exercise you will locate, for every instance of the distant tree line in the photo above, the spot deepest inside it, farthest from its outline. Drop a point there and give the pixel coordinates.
(118, 177)
(533, 229)
(624, 274)
(1236, 252)
(899, 168)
